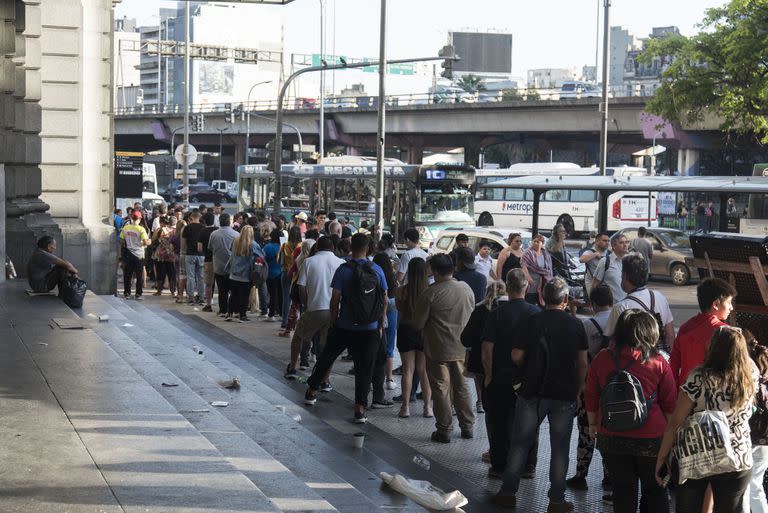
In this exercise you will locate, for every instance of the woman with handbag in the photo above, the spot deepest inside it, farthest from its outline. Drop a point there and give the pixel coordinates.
(629, 451)
(244, 252)
(718, 396)
(302, 253)
(165, 258)
(288, 251)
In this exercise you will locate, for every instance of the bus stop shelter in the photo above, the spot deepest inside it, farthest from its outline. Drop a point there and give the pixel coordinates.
(722, 186)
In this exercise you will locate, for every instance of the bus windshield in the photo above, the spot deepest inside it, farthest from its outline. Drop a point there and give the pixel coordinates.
(445, 202)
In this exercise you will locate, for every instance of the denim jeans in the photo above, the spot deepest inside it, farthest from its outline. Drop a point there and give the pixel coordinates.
(263, 298)
(529, 413)
(195, 281)
(391, 331)
(755, 494)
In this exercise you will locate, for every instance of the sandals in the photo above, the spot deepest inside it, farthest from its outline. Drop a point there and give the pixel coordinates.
(284, 333)
(428, 414)
(404, 414)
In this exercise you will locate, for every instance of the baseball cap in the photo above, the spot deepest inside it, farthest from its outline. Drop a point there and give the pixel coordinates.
(302, 216)
(136, 214)
(466, 256)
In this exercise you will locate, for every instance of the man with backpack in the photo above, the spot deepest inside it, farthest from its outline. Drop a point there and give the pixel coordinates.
(592, 256)
(601, 300)
(552, 353)
(608, 269)
(442, 311)
(634, 277)
(358, 308)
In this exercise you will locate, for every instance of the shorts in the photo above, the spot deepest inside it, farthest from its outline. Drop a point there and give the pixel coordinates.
(208, 277)
(311, 323)
(408, 339)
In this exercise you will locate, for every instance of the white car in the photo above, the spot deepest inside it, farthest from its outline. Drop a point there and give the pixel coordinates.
(496, 237)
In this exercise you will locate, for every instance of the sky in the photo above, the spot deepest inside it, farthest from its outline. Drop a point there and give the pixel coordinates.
(546, 33)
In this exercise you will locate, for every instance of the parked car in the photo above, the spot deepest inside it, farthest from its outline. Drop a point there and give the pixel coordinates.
(671, 248)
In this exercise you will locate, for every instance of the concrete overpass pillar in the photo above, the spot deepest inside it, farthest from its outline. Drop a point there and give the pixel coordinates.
(414, 154)
(26, 217)
(472, 155)
(688, 161)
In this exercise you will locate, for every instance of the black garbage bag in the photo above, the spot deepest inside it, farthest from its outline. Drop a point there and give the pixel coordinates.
(72, 291)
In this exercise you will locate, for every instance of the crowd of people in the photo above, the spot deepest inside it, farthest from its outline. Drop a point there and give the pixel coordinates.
(461, 321)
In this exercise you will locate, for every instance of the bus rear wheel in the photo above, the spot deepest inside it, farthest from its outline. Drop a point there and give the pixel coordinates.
(567, 222)
(485, 219)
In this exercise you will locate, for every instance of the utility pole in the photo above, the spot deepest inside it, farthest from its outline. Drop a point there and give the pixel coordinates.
(186, 104)
(322, 82)
(380, 132)
(604, 104)
(221, 136)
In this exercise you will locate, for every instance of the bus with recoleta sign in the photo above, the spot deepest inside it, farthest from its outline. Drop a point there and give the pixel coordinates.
(429, 197)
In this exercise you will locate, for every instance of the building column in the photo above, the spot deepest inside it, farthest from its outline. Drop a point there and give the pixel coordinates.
(20, 125)
(415, 154)
(77, 143)
(688, 161)
(681, 162)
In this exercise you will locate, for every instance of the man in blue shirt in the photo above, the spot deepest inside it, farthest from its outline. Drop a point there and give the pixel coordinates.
(362, 340)
(465, 271)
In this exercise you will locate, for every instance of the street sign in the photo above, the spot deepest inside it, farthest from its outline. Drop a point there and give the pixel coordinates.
(179, 174)
(306, 148)
(191, 155)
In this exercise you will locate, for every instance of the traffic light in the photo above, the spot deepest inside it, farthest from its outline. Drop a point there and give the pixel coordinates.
(197, 123)
(228, 115)
(271, 153)
(449, 53)
(201, 123)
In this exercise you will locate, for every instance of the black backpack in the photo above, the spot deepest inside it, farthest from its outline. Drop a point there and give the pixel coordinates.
(622, 402)
(367, 299)
(662, 343)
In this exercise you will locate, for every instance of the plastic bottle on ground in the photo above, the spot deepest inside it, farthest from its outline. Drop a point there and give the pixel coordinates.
(421, 461)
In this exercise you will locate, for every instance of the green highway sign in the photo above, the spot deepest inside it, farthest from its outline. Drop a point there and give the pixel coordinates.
(393, 69)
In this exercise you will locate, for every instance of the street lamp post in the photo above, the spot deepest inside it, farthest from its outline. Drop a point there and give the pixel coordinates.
(221, 136)
(322, 81)
(380, 147)
(185, 153)
(248, 119)
(604, 105)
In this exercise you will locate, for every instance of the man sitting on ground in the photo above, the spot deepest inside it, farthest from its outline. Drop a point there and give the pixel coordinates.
(46, 271)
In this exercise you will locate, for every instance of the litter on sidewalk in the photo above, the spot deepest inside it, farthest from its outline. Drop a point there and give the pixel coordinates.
(424, 493)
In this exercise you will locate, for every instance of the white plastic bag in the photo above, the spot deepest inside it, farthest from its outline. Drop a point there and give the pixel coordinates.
(424, 493)
(703, 446)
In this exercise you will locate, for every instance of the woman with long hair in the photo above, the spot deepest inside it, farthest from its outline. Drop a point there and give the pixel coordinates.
(555, 245)
(165, 257)
(630, 455)
(244, 252)
(727, 382)
(288, 251)
(305, 249)
(537, 265)
(409, 341)
(510, 257)
(178, 251)
(758, 424)
(383, 260)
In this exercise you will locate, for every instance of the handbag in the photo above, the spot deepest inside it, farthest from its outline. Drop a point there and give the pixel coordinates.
(703, 446)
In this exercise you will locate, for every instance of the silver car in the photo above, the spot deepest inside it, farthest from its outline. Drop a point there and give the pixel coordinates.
(671, 248)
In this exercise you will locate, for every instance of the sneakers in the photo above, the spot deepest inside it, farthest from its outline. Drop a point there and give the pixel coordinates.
(390, 384)
(310, 397)
(560, 507)
(244, 318)
(479, 407)
(138, 298)
(325, 387)
(360, 418)
(270, 319)
(440, 437)
(304, 365)
(207, 308)
(290, 373)
(505, 501)
(127, 296)
(577, 483)
(380, 405)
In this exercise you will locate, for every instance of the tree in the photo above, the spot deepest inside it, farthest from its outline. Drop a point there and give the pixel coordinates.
(722, 70)
(471, 83)
(532, 95)
(511, 95)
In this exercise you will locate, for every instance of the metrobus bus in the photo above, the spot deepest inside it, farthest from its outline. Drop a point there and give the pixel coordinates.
(509, 207)
(429, 197)
(755, 219)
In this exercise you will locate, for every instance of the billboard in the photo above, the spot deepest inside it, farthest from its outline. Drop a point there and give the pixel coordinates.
(216, 78)
(483, 52)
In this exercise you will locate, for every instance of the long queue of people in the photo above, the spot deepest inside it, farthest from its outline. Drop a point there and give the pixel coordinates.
(628, 381)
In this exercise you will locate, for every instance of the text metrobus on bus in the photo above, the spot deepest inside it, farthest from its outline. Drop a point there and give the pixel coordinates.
(508, 207)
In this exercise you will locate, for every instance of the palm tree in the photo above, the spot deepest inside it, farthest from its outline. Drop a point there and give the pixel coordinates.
(471, 83)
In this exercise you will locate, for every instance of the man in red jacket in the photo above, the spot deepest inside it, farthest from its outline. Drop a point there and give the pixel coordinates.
(715, 298)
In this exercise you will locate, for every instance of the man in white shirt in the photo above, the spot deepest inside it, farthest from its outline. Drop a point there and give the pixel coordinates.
(608, 269)
(314, 281)
(414, 251)
(484, 262)
(634, 277)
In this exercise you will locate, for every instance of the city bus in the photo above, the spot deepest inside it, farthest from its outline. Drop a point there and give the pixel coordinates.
(427, 197)
(509, 207)
(755, 219)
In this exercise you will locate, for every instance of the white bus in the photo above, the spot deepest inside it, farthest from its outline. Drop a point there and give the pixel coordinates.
(509, 207)
(755, 219)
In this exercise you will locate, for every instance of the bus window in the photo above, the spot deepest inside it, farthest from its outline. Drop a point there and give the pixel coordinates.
(514, 194)
(583, 196)
(555, 195)
(497, 193)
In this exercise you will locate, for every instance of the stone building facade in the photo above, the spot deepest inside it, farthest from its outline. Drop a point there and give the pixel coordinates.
(56, 130)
